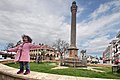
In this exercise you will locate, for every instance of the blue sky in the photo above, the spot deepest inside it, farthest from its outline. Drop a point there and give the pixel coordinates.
(47, 20)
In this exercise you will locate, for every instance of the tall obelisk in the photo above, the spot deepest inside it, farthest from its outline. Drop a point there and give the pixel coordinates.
(73, 51)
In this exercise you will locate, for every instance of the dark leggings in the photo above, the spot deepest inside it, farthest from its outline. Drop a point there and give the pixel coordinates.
(26, 64)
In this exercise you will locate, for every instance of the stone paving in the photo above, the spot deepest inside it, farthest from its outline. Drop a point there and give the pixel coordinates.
(41, 76)
(60, 67)
(92, 68)
(88, 68)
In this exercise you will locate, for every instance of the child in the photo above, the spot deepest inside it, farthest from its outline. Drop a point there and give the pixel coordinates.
(22, 55)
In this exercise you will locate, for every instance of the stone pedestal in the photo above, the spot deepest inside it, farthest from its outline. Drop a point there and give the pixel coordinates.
(73, 52)
(73, 59)
(74, 62)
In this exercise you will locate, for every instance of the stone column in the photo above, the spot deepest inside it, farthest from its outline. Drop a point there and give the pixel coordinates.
(73, 24)
(73, 51)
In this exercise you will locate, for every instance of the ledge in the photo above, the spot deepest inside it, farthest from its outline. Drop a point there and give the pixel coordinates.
(6, 61)
(9, 73)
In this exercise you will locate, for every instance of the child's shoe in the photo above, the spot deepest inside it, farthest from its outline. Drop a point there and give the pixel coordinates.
(27, 72)
(20, 72)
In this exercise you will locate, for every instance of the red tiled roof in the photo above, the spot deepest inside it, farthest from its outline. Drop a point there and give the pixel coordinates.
(36, 46)
(42, 47)
(2, 52)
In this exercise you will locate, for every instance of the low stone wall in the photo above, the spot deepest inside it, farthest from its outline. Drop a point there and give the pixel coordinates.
(8, 77)
(6, 61)
(9, 73)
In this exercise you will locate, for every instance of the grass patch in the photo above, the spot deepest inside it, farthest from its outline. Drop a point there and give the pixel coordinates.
(46, 67)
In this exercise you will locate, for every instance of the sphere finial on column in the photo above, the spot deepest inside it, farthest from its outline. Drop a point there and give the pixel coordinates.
(74, 2)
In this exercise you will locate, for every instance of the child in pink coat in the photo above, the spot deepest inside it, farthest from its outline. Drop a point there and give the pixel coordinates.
(22, 55)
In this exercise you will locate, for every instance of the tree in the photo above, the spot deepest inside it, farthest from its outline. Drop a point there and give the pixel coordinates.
(61, 46)
(18, 43)
(9, 45)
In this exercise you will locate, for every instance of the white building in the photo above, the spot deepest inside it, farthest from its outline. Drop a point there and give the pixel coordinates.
(117, 54)
(112, 51)
(1, 57)
(107, 55)
(91, 59)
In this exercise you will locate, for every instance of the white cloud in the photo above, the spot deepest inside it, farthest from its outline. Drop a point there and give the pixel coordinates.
(80, 9)
(103, 8)
(86, 29)
(42, 20)
(93, 34)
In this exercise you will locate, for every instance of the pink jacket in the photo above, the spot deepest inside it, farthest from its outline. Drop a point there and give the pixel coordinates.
(22, 51)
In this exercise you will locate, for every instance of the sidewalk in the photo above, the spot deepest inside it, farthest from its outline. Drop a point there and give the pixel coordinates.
(41, 76)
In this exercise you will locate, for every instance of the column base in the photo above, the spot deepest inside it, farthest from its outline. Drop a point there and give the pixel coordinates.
(73, 52)
(74, 62)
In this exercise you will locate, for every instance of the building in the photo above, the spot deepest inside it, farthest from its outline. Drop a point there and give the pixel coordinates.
(107, 55)
(6, 55)
(44, 51)
(117, 54)
(91, 59)
(112, 51)
(1, 55)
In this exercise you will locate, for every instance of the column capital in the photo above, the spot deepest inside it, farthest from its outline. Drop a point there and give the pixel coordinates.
(74, 6)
